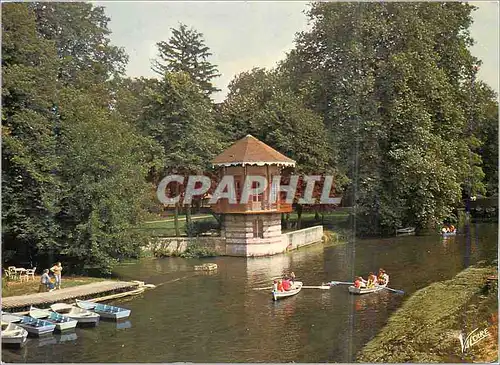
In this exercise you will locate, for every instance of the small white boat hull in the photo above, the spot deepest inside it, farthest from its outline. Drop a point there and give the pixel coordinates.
(13, 335)
(297, 286)
(105, 311)
(82, 316)
(62, 323)
(448, 234)
(359, 291)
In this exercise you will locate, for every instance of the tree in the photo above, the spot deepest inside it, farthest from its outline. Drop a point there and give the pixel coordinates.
(180, 118)
(30, 183)
(186, 52)
(392, 84)
(81, 35)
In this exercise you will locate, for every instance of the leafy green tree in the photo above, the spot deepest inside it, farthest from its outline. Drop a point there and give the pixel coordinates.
(81, 35)
(186, 52)
(181, 119)
(30, 163)
(392, 82)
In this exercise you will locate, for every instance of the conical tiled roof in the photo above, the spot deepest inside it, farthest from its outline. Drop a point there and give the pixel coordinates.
(250, 151)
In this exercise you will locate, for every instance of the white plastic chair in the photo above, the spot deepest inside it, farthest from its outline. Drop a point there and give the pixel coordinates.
(30, 272)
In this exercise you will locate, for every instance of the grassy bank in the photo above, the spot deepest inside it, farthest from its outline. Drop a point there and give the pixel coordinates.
(15, 287)
(426, 328)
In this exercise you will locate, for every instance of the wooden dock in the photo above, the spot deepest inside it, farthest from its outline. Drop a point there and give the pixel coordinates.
(66, 295)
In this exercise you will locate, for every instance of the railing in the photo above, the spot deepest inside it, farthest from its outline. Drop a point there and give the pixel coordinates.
(223, 206)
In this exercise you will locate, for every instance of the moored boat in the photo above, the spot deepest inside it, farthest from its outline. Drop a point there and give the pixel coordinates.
(61, 322)
(295, 289)
(448, 234)
(83, 316)
(405, 231)
(105, 311)
(13, 335)
(359, 291)
(34, 326)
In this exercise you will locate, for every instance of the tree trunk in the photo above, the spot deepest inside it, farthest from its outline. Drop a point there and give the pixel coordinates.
(176, 220)
(299, 216)
(188, 220)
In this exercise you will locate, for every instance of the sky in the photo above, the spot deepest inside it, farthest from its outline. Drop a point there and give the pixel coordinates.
(243, 35)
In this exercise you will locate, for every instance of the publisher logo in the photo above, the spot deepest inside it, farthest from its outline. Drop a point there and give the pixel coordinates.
(472, 338)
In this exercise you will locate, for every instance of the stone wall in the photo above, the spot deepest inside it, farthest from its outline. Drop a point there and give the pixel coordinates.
(303, 237)
(180, 244)
(239, 240)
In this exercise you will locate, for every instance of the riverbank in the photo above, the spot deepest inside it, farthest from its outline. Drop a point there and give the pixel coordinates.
(14, 287)
(426, 328)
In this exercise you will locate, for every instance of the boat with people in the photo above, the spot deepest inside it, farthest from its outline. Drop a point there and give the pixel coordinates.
(61, 322)
(104, 310)
(295, 288)
(13, 335)
(359, 291)
(83, 316)
(448, 231)
(37, 327)
(373, 284)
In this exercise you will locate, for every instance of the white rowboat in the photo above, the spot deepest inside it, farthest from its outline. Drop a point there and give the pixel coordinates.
(296, 287)
(359, 291)
(79, 314)
(61, 322)
(105, 311)
(13, 335)
(34, 326)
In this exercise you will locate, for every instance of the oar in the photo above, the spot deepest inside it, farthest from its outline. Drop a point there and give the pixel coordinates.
(395, 290)
(339, 283)
(265, 288)
(316, 287)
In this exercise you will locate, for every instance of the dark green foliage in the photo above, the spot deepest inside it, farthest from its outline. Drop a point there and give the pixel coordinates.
(195, 251)
(186, 52)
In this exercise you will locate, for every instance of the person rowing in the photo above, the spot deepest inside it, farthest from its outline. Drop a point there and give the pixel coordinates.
(372, 280)
(383, 278)
(359, 282)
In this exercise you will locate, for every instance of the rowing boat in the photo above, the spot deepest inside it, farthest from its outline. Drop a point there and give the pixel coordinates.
(405, 231)
(34, 326)
(359, 291)
(296, 287)
(61, 322)
(13, 335)
(105, 311)
(448, 234)
(83, 316)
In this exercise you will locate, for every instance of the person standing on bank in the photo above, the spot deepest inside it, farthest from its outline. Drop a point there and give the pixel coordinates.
(57, 270)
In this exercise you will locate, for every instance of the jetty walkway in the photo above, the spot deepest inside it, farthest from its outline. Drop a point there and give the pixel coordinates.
(87, 291)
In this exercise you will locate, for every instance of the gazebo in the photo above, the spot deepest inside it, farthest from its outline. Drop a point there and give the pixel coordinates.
(252, 228)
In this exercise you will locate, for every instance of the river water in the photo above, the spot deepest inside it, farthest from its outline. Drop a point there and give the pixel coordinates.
(219, 317)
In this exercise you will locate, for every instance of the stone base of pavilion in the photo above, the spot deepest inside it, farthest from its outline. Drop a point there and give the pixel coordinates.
(247, 247)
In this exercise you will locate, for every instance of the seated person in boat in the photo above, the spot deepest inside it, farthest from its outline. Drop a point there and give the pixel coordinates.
(359, 282)
(286, 284)
(383, 278)
(372, 280)
(280, 285)
(445, 230)
(45, 282)
(452, 228)
(275, 285)
(292, 277)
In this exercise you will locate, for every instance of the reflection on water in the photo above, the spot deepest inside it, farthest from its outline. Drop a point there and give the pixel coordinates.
(192, 317)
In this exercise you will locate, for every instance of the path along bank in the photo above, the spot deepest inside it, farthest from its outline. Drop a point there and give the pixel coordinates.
(427, 327)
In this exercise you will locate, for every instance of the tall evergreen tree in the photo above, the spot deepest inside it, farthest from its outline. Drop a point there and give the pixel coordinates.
(186, 52)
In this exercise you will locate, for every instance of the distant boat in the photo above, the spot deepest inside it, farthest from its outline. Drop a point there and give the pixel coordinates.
(405, 231)
(61, 322)
(83, 316)
(34, 326)
(359, 291)
(297, 286)
(105, 311)
(449, 234)
(13, 335)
